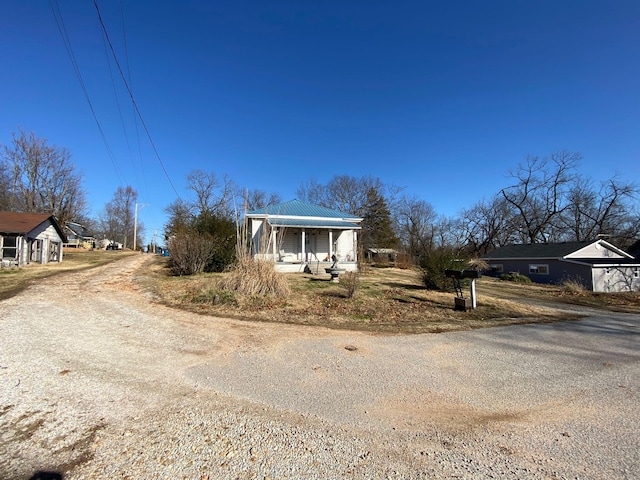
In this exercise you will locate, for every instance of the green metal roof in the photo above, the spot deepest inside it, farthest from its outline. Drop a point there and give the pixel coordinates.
(297, 208)
(312, 223)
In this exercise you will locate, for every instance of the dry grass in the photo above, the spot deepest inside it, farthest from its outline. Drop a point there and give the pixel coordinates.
(388, 301)
(254, 277)
(13, 280)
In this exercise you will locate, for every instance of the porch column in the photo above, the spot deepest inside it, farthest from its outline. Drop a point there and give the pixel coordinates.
(303, 237)
(355, 246)
(20, 250)
(273, 241)
(330, 243)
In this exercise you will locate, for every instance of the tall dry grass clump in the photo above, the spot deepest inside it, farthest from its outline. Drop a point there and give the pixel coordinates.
(250, 276)
(478, 264)
(573, 286)
(254, 277)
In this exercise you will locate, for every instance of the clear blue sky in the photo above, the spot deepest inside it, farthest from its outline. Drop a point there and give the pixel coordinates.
(442, 98)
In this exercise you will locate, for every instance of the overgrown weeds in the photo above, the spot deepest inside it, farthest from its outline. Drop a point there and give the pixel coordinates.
(573, 286)
(350, 282)
(252, 277)
(387, 300)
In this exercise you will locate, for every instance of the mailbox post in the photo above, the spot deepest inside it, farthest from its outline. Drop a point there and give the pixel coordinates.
(460, 302)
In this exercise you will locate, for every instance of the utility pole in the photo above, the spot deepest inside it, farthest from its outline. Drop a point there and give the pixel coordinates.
(135, 224)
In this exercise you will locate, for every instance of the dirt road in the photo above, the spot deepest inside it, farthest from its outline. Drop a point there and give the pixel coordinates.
(97, 381)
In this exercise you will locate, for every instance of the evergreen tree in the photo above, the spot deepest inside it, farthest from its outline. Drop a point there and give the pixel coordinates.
(377, 228)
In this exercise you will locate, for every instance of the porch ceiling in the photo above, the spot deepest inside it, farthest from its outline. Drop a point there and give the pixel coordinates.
(313, 223)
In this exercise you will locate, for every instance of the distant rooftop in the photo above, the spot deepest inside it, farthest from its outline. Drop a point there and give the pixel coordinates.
(537, 250)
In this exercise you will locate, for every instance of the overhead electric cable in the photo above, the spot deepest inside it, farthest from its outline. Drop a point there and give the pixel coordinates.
(115, 94)
(57, 15)
(135, 117)
(133, 101)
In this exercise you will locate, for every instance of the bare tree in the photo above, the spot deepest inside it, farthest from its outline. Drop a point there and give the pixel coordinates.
(40, 178)
(118, 217)
(6, 200)
(606, 211)
(346, 193)
(539, 195)
(181, 217)
(213, 195)
(256, 199)
(416, 225)
(487, 225)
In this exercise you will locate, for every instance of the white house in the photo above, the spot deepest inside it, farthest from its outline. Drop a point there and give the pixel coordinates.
(298, 235)
(30, 238)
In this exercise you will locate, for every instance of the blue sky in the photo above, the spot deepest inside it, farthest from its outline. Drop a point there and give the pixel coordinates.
(442, 98)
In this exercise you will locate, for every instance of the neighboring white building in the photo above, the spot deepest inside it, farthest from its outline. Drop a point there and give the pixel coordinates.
(30, 238)
(296, 235)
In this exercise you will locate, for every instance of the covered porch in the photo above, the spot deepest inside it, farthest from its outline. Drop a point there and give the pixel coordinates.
(298, 236)
(293, 248)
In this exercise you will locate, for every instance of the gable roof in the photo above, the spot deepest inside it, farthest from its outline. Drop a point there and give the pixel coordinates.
(634, 250)
(78, 230)
(537, 250)
(22, 223)
(298, 208)
(547, 250)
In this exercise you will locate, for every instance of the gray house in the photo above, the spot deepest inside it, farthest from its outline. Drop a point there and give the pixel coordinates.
(297, 234)
(598, 265)
(30, 238)
(78, 236)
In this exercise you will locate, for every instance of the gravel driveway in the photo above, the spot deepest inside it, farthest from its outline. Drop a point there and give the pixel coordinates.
(97, 381)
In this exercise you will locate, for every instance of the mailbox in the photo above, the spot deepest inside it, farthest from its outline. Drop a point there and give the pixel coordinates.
(459, 274)
(461, 303)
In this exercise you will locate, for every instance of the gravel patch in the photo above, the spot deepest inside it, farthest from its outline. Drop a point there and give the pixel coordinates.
(97, 382)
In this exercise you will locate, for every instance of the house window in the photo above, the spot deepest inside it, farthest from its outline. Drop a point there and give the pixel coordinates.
(497, 267)
(539, 269)
(10, 247)
(636, 272)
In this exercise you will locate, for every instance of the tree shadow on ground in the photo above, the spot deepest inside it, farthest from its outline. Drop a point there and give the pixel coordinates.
(46, 476)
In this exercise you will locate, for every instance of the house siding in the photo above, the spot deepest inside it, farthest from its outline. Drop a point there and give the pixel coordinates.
(345, 247)
(595, 250)
(618, 279)
(558, 271)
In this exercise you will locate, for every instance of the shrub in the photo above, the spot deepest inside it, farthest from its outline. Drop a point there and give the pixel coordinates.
(190, 253)
(515, 277)
(350, 282)
(434, 265)
(222, 232)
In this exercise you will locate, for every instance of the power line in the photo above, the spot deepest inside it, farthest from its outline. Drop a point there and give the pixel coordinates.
(115, 94)
(133, 101)
(135, 118)
(57, 15)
